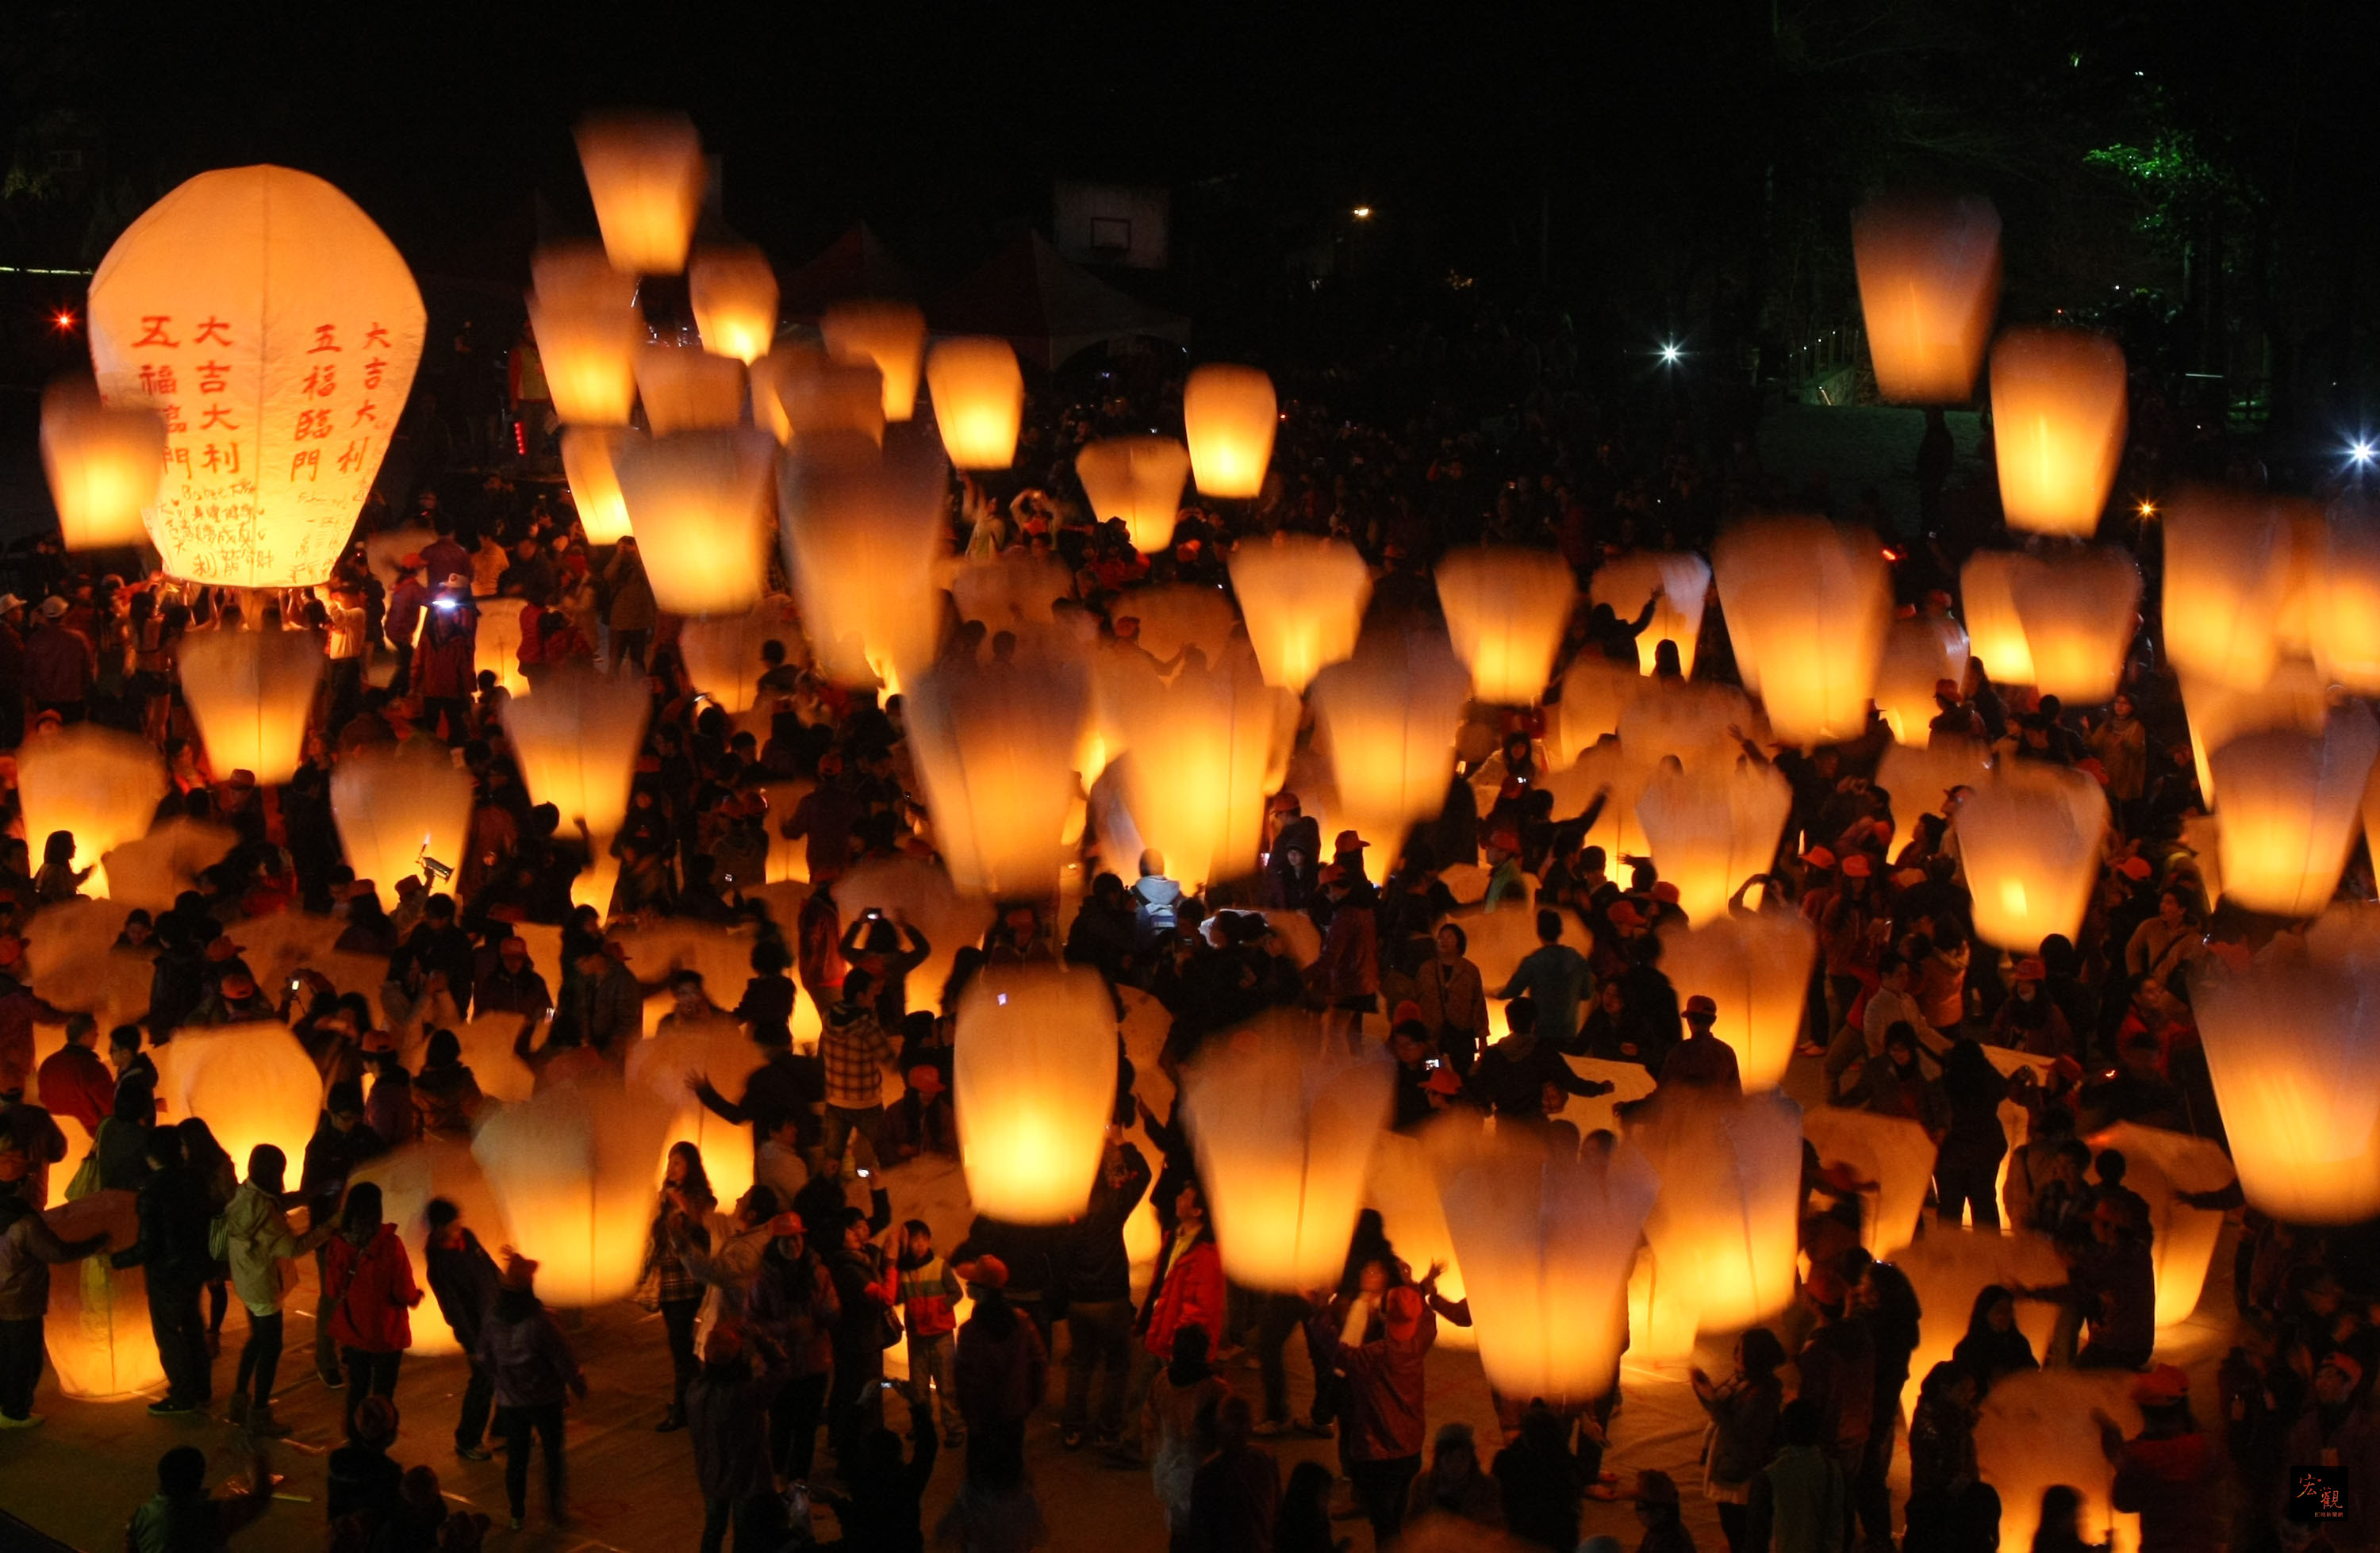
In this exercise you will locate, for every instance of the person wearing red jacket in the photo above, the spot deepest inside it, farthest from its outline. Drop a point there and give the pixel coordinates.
(1187, 1291)
(1376, 1342)
(367, 1288)
(74, 1082)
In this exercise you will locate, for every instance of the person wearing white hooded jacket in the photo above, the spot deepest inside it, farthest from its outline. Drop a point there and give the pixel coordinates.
(259, 1239)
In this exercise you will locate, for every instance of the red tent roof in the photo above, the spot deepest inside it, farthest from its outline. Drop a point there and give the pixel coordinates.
(857, 265)
(1047, 308)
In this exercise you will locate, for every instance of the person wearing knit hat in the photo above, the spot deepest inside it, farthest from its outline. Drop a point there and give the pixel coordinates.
(532, 1364)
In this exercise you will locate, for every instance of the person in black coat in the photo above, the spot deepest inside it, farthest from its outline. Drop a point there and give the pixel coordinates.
(1095, 1282)
(174, 1212)
(464, 1280)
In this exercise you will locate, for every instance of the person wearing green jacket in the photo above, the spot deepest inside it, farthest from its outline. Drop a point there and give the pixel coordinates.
(257, 1227)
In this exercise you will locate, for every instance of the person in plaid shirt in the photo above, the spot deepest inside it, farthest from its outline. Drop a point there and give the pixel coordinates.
(856, 1054)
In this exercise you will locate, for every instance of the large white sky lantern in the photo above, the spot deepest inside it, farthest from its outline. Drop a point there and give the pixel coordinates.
(863, 529)
(2291, 805)
(1994, 634)
(2057, 427)
(995, 747)
(575, 1168)
(1919, 653)
(1505, 610)
(589, 355)
(395, 809)
(1756, 966)
(577, 742)
(733, 293)
(1138, 480)
(979, 392)
(103, 465)
(2227, 573)
(2030, 839)
(1034, 1076)
(1229, 416)
(688, 389)
(250, 693)
(578, 274)
(590, 456)
(1200, 751)
(101, 784)
(1723, 1231)
(1808, 604)
(889, 335)
(1929, 279)
(2078, 611)
(1388, 717)
(646, 174)
(1302, 599)
(1713, 828)
(1625, 582)
(276, 329)
(698, 504)
(2343, 607)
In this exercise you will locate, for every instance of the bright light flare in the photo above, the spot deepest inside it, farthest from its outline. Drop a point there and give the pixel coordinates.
(1669, 354)
(2363, 451)
(1362, 212)
(63, 321)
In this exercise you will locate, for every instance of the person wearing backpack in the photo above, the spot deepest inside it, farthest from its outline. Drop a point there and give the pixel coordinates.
(28, 1249)
(255, 1238)
(1155, 901)
(367, 1288)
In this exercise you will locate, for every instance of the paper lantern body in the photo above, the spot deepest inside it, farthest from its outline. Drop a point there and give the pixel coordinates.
(2057, 427)
(863, 529)
(2078, 613)
(1302, 601)
(688, 389)
(697, 502)
(2161, 1165)
(1388, 717)
(646, 174)
(395, 809)
(1625, 582)
(588, 456)
(250, 693)
(1138, 480)
(994, 746)
(723, 652)
(1918, 655)
(2343, 609)
(2029, 840)
(2295, 697)
(1920, 777)
(717, 1049)
(1755, 965)
(891, 335)
(589, 357)
(2227, 568)
(2290, 806)
(802, 395)
(1895, 1152)
(1929, 278)
(98, 1333)
(1229, 416)
(278, 329)
(253, 1084)
(1033, 1077)
(496, 642)
(1712, 827)
(579, 274)
(1200, 751)
(577, 741)
(1505, 611)
(1807, 604)
(733, 293)
(978, 400)
(575, 1168)
(103, 465)
(1284, 1139)
(1548, 1240)
(2036, 1430)
(1724, 1230)
(409, 1177)
(100, 785)
(1403, 1192)
(1596, 694)
(2298, 1078)
(1994, 633)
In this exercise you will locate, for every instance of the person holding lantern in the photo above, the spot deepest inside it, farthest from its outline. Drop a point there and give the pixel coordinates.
(1376, 1346)
(27, 1250)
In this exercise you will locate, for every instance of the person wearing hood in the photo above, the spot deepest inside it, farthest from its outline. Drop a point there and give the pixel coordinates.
(535, 1373)
(29, 1247)
(367, 1288)
(445, 1092)
(463, 1278)
(257, 1227)
(727, 1418)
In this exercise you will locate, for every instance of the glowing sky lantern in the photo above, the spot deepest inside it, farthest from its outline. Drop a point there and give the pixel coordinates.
(733, 293)
(1595, 691)
(994, 746)
(1756, 966)
(2290, 806)
(251, 693)
(979, 392)
(1929, 279)
(1994, 633)
(589, 355)
(1229, 416)
(646, 174)
(575, 1167)
(394, 809)
(2296, 697)
(2079, 611)
(1920, 778)
(1807, 604)
(2343, 607)
(1201, 749)
(1388, 715)
(716, 1049)
(2297, 1073)
(496, 643)
(723, 652)
(1138, 480)
(863, 529)
(1302, 599)
(688, 389)
(1284, 1134)
(2039, 1428)
(1919, 653)
(588, 462)
(699, 503)
(1034, 1076)
(1177, 614)
(1547, 1238)
(103, 465)
(577, 741)
(891, 335)
(279, 330)
(98, 1334)
(2029, 840)
(1505, 611)
(1724, 1230)
(2227, 569)
(800, 393)
(1712, 827)
(409, 1177)
(2057, 427)
(1626, 582)
(579, 274)
(101, 784)
(253, 1083)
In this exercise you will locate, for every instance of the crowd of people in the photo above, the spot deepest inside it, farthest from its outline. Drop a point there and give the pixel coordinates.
(779, 1308)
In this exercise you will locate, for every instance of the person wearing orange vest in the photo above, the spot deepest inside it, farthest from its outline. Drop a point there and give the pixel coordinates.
(929, 1297)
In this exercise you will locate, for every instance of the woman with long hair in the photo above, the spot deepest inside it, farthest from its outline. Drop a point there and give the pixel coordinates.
(1742, 1436)
(682, 1216)
(1994, 1348)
